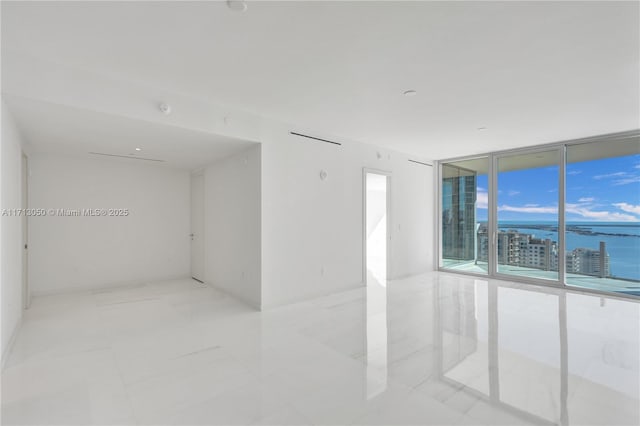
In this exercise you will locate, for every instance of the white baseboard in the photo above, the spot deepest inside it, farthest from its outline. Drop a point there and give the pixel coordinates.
(313, 295)
(109, 286)
(242, 299)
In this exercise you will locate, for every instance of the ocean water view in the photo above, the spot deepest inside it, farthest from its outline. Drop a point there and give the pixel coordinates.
(597, 193)
(622, 240)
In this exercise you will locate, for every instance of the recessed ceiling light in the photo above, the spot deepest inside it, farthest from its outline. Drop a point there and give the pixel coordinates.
(482, 128)
(410, 93)
(237, 5)
(138, 149)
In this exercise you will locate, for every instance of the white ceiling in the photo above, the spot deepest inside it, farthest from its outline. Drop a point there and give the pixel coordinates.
(52, 128)
(530, 72)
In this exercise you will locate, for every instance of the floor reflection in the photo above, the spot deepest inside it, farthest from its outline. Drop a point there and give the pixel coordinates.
(376, 335)
(541, 354)
(432, 349)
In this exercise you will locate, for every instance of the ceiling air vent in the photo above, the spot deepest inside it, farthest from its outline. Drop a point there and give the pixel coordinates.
(130, 157)
(314, 138)
(420, 162)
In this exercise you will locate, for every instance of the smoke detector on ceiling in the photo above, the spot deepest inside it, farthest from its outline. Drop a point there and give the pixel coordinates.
(165, 108)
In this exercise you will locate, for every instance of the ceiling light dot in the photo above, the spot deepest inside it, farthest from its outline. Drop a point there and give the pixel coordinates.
(165, 108)
(138, 149)
(237, 5)
(410, 93)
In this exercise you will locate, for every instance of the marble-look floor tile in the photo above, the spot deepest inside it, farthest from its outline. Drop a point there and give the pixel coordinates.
(64, 406)
(433, 349)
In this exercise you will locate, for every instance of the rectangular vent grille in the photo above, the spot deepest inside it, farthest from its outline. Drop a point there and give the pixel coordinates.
(127, 156)
(314, 138)
(420, 162)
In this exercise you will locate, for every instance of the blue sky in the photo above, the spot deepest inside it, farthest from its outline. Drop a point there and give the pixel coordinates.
(606, 190)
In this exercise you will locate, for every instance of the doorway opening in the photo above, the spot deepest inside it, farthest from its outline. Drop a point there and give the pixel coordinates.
(197, 227)
(376, 226)
(376, 249)
(26, 294)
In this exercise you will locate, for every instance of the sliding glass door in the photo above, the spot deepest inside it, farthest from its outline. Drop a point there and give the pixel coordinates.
(526, 242)
(464, 215)
(566, 214)
(602, 214)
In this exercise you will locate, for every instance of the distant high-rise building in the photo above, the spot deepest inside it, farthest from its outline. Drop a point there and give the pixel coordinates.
(518, 249)
(509, 243)
(482, 249)
(538, 253)
(509, 247)
(459, 215)
(589, 262)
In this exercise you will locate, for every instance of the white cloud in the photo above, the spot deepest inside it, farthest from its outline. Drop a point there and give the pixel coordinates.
(630, 208)
(482, 200)
(530, 209)
(513, 192)
(481, 189)
(580, 210)
(574, 172)
(627, 181)
(586, 199)
(610, 175)
(604, 216)
(532, 205)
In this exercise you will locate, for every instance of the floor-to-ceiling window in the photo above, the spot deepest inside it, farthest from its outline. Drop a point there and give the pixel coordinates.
(602, 215)
(527, 214)
(564, 214)
(464, 215)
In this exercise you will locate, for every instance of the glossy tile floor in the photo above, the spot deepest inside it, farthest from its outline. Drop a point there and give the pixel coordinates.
(435, 349)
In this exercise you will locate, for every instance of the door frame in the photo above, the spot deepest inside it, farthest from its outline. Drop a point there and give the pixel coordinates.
(493, 216)
(388, 175)
(24, 195)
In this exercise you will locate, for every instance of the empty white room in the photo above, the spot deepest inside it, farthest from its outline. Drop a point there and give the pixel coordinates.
(320, 213)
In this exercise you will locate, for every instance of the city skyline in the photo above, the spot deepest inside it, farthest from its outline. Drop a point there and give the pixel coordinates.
(526, 250)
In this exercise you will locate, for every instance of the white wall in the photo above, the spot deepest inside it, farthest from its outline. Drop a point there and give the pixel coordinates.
(305, 224)
(84, 252)
(233, 225)
(412, 211)
(312, 229)
(10, 230)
